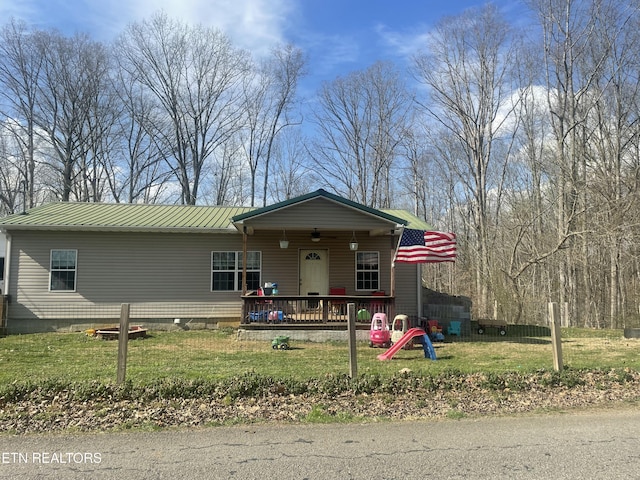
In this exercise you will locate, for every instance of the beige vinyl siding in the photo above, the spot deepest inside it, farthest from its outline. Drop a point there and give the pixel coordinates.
(278, 265)
(169, 274)
(319, 213)
(116, 268)
(282, 265)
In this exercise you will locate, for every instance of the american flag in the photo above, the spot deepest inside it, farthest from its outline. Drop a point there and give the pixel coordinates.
(418, 246)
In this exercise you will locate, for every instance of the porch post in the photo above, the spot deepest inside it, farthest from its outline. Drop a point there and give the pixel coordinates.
(393, 265)
(244, 260)
(7, 265)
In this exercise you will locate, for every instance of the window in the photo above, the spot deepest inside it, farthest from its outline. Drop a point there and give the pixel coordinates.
(1, 268)
(63, 270)
(367, 271)
(226, 271)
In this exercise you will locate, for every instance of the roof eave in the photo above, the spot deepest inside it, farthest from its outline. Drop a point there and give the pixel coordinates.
(91, 228)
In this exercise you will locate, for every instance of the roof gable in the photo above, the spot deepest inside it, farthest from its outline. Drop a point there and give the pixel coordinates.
(270, 210)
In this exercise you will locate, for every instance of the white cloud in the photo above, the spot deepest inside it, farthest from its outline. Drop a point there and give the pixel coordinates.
(256, 25)
(404, 44)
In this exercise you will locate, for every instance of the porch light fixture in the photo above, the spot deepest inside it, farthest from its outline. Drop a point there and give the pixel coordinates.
(353, 244)
(284, 243)
(315, 235)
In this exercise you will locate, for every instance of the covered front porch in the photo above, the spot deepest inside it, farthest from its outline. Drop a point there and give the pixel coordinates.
(323, 252)
(327, 311)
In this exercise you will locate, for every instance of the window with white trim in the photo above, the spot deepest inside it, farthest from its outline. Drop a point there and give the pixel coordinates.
(367, 270)
(63, 270)
(226, 271)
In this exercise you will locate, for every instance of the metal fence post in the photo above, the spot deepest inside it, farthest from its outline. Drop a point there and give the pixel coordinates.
(123, 339)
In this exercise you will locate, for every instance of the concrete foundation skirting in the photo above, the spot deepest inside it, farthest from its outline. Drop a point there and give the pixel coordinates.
(302, 335)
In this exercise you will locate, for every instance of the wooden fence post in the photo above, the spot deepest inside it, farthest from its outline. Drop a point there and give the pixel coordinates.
(556, 337)
(351, 325)
(3, 315)
(123, 340)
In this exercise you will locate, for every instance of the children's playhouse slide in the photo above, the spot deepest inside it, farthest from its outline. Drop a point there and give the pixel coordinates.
(429, 351)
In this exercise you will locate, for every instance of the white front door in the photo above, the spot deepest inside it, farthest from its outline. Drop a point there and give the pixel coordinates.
(314, 272)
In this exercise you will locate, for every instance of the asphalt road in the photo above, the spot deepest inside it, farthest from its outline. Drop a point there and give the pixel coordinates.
(587, 445)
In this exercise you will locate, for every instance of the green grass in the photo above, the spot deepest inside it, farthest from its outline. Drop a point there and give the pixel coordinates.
(320, 414)
(218, 355)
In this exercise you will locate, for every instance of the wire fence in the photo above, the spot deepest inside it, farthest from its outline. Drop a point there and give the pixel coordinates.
(194, 341)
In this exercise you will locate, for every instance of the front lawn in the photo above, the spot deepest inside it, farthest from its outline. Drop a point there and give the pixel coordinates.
(217, 355)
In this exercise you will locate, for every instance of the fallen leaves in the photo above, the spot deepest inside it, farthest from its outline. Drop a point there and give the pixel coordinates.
(465, 395)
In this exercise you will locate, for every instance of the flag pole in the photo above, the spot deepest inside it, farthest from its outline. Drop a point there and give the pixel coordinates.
(394, 250)
(244, 260)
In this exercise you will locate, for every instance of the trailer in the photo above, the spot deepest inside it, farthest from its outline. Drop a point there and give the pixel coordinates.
(484, 323)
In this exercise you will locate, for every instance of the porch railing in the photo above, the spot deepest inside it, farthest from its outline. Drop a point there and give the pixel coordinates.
(312, 309)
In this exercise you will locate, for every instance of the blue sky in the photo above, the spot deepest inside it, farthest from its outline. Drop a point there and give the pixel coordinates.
(338, 36)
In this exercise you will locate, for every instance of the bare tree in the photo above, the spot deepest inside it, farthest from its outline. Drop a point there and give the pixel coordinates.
(361, 122)
(194, 75)
(229, 174)
(291, 175)
(103, 152)
(424, 188)
(468, 70)
(11, 186)
(74, 73)
(141, 174)
(612, 166)
(589, 63)
(566, 35)
(20, 69)
(269, 97)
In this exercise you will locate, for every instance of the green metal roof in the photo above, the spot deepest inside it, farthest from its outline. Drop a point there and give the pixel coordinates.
(121, 216)
(318, 193)
(410, 218)
(135, 217)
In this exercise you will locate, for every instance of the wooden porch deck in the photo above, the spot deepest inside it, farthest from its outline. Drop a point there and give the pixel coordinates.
(327, 311)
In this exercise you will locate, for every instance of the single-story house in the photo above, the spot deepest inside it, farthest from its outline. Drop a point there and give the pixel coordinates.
(70, 265)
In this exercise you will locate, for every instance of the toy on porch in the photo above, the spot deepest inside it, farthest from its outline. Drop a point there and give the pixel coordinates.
(266, 309)
(379, 333)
